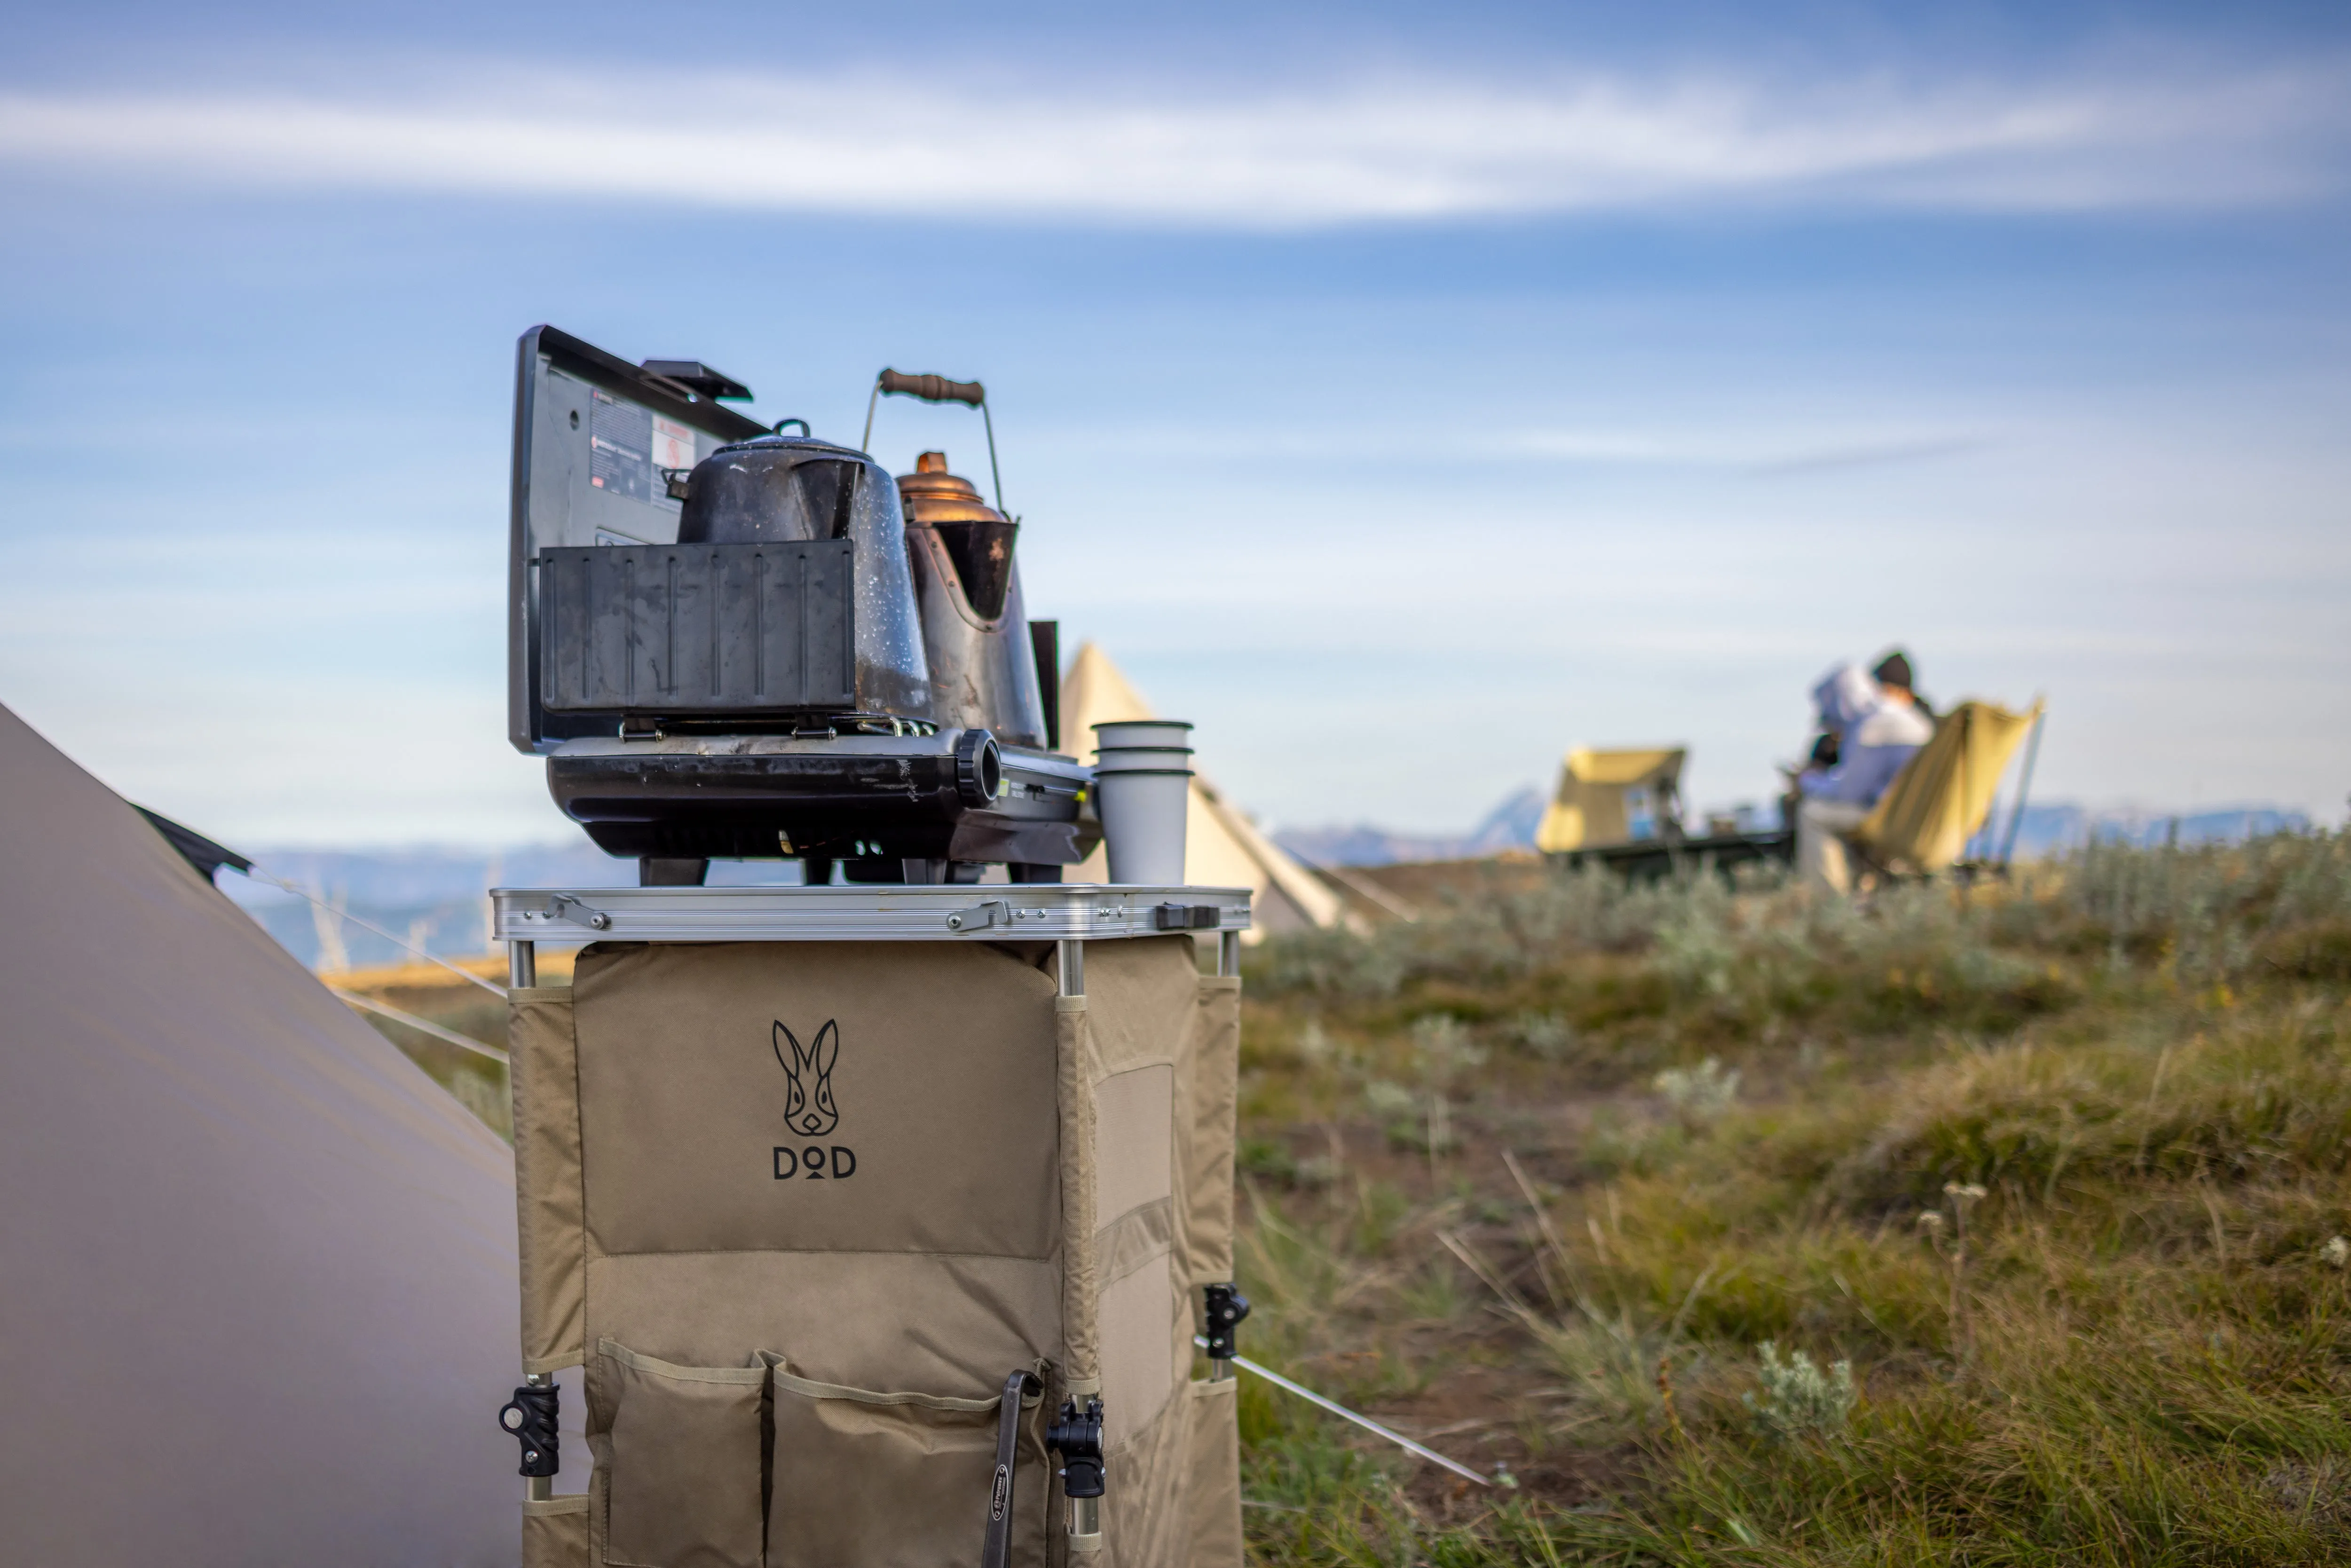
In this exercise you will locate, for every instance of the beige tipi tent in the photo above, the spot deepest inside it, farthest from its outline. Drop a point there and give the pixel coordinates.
(259, 1270)
(1221, 847)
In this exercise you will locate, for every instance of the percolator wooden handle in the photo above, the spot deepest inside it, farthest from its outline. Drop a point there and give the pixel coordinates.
(934, 389)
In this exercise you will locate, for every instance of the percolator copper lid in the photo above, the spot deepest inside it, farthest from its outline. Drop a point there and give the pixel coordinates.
(939, 497)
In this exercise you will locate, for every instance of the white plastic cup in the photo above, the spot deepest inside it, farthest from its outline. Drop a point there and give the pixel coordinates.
(1143, 735)
(1142, 788)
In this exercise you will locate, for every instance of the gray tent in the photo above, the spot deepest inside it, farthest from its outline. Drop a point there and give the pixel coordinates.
(257, 1271)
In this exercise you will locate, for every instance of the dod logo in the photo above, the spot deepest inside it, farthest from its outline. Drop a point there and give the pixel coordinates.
(809, 1108)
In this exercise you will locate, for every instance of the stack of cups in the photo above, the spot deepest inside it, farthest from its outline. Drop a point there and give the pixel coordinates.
(1142, 786)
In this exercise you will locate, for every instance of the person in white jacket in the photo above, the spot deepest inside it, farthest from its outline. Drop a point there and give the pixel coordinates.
(1879, 724)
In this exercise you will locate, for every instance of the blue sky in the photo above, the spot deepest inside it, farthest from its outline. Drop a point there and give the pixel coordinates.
(1402, 395)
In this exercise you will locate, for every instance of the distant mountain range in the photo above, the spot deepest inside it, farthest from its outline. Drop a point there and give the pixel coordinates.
(435, 898)
(1509, 826)
(2045, 831)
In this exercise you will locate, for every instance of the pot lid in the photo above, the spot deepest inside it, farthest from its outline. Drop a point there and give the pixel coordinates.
(936, 495)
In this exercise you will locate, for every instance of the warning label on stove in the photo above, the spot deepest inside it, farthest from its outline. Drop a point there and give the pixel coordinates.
(620, 446)
(673, 445)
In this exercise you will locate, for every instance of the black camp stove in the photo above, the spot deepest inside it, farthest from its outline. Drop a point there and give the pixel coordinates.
(730, 642)
(868, 802)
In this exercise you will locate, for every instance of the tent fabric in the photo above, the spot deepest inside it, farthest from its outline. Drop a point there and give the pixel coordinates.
(1591, 807)
(1222, 848)
(1935, 805)
(260, 1268)
(890, 1175)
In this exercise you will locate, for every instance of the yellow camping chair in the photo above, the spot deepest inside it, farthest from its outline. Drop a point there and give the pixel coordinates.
(1939, 799)
(1609, 798)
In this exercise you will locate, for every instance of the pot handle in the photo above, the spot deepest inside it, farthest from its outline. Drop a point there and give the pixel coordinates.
(934, 389)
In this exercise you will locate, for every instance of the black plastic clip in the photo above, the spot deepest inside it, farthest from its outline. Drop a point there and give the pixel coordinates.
(1226, 1309)
(1078, 1440)
(1185, 916)
(530, 1417)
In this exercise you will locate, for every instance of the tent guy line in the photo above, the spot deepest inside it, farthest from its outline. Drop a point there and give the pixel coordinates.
(496, 990)
(1365, 1422)
(462, 1041)
(1353, 883)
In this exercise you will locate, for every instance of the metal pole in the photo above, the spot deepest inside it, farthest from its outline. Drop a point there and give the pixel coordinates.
(2023, 792)
(537, 1489)
(1228, 953)
(1085, 1512)
(522, 971)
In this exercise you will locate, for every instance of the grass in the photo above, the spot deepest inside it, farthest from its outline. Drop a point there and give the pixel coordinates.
(1610, 1190)
(1597, 1188)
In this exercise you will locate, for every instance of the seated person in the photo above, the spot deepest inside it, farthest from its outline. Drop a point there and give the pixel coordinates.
(1878, 722)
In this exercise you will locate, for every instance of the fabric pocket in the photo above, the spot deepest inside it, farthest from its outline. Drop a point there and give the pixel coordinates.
(893, 1481)
(555, 1533)
(685, 1486)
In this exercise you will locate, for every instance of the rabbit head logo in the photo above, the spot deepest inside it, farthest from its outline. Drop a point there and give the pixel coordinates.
(809, 1109)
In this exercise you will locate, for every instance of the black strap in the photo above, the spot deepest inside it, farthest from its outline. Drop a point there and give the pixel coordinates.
(996, 1551)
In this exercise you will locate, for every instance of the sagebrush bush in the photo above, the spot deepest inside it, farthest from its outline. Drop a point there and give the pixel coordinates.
(2209, 913)
(1798, 1399)
(1698, 1094)
(1741, 958)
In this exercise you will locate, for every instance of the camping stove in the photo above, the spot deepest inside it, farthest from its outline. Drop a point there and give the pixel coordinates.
(729, 642)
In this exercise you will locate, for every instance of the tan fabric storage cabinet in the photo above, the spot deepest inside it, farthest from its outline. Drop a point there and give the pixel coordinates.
(802, 1209)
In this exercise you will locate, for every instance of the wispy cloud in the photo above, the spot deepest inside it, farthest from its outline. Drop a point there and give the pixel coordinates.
(1745, 446)
(1390, 149)
(1749, 450)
